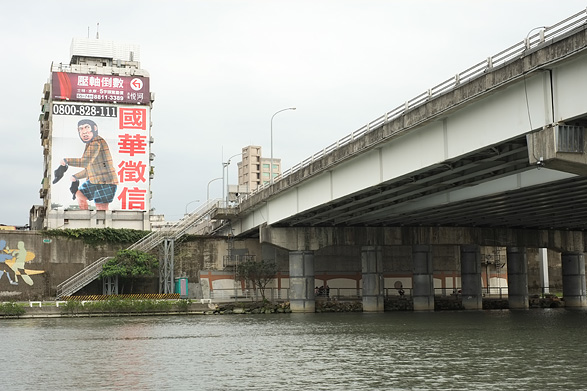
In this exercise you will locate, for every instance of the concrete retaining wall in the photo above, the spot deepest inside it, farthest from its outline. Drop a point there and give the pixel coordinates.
(51, 260)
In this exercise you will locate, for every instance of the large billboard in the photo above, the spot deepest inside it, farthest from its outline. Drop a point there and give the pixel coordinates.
(100, 156)
(100, 88)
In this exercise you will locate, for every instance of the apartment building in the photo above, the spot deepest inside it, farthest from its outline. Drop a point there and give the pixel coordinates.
(254, 170)
(95, 126)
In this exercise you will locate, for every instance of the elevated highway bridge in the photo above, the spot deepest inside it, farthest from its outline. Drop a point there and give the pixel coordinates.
(494, 155)
(501, 148)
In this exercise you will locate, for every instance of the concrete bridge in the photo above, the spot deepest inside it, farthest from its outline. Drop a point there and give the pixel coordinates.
(494, 156)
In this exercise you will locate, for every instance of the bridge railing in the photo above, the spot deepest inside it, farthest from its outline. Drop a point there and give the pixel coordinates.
(532, 41)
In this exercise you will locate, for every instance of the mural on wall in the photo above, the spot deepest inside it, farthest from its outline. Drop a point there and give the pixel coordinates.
(13, 264)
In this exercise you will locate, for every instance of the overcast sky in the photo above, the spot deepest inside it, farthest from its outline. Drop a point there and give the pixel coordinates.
(220, 69)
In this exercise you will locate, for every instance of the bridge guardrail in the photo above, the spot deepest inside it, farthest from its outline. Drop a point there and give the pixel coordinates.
(513, 52)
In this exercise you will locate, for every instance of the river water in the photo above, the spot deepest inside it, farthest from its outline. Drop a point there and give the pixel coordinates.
(542, 349)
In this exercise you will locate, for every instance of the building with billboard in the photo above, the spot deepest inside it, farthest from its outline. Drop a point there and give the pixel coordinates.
(96, 136)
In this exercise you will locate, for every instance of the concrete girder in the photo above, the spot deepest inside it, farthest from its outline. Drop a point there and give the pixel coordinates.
(314, 238)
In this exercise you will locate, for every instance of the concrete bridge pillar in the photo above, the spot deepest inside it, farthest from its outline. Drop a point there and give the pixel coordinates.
(423, 278)
(301, 281)
(574, 290)
(373, 282)
(471, 293)
(518, 297)
(543, 262)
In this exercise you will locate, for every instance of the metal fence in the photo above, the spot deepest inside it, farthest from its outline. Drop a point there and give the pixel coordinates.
(278, 294)
(238, 294)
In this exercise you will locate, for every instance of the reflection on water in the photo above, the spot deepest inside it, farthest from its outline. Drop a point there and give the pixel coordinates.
(479, 350)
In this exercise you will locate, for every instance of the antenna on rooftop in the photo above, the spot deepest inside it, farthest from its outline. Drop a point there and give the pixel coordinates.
(88, 31)
(97, 31)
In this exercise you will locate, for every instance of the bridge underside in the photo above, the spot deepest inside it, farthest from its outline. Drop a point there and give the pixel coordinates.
(519, 194)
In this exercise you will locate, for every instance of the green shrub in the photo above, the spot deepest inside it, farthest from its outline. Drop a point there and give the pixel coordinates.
(164, 305)
(130, 265)
(11, 309)
(183, 305)
(116, 305)
(71, 307)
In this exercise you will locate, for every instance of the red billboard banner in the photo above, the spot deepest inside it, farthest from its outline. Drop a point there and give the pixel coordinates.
(100, 88)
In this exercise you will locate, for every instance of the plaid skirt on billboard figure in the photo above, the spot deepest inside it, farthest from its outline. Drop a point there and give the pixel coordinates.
(100, 193)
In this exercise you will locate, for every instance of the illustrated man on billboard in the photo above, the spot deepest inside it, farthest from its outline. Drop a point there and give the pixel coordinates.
(96, 161)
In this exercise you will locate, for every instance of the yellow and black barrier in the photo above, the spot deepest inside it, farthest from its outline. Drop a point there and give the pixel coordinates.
(138, 296)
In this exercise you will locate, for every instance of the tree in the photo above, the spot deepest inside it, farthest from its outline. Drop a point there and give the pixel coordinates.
(258, 273)
(131, 264)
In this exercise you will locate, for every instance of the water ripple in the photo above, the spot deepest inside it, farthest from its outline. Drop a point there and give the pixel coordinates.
(505, 350)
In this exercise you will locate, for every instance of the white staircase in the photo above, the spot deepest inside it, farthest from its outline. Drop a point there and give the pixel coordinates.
(198, 222)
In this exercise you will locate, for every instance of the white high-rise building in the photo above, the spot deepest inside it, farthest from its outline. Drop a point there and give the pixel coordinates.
(96, 136)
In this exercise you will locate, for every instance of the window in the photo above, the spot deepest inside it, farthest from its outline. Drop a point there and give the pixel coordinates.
(265, 175)
(266, 165)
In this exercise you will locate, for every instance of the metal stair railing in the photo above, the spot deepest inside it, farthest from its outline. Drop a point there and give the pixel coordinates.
(81, 278)
(147, 243)
(177, 230)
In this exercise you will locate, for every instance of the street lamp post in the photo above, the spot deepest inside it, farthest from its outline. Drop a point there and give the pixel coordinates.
(186, 205)
(208, 190)
(271, 161)
(225, 166)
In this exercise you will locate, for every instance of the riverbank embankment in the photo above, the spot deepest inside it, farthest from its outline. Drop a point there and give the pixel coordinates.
(122, 307)
(60, 309)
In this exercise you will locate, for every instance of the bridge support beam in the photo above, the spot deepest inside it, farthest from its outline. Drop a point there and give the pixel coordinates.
(574, 285)
(518, 297)
(166, 279)
(543, 262)
(472, 294)
(423, 279)
(373, 281)
(301, 281)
